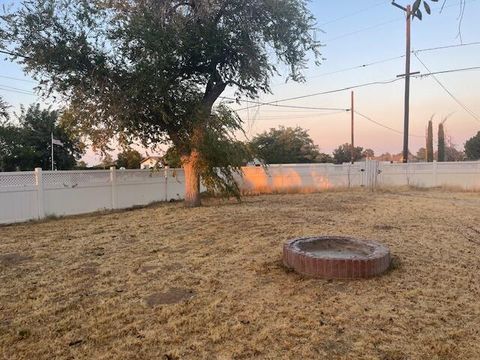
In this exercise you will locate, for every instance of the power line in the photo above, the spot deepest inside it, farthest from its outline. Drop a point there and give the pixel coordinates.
(383, 24)
(283, 106)
(352, 14)
(468, 110)
(15, 90)
(363, 30)
(17, 79)
(447, 47)
(447, 71)
(14, 54)
(363, 66)
(325, 92)
(362, 85)
(305, 117)
(383, 125)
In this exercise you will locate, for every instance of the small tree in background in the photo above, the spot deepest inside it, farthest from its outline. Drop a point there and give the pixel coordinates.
(472, 147)
(368, 154)
(421, 154)
(285, 146)
(28, 145)
(129, 159)
(343, 153)
(324, 158)
(430, 141)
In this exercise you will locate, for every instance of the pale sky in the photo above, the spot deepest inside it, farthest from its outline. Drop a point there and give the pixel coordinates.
(356, 33)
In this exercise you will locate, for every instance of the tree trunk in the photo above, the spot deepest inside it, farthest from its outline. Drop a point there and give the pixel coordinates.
(192, 179)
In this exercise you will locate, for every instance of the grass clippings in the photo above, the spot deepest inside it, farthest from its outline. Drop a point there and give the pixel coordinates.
(208, 283)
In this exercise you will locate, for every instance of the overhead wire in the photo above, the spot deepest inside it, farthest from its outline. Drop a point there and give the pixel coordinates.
(462, 105)
(383, 125)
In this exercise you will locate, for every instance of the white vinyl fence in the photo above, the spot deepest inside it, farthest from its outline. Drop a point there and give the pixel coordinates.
(37, 194)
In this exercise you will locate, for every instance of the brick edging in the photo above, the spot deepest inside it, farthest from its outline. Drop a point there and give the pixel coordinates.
(332, 268)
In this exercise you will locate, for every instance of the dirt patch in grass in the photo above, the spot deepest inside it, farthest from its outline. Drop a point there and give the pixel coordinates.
(12, 259)
(208, 283)
(172, 296)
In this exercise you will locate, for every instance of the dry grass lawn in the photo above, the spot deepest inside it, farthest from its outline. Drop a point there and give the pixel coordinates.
(171, 283)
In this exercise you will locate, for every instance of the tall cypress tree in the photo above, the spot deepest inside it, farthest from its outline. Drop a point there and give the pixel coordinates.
(430, 141)
(441, 141)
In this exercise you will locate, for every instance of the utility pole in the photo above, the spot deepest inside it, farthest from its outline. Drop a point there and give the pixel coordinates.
(406, 119)
(352, 112)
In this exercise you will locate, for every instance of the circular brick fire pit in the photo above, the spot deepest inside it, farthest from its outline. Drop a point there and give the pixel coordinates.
(336, 257)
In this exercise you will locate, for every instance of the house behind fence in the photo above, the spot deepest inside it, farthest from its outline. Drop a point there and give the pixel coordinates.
(37, 194)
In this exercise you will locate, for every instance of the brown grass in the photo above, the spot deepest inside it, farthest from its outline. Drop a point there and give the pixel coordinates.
(168, 282)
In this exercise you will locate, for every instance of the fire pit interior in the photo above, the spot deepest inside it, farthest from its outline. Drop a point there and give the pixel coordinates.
(334, 257)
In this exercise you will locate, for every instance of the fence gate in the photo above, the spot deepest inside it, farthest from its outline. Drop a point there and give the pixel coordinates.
(372, 170)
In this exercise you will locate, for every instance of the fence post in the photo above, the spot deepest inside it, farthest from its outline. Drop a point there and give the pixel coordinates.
(435, 170)
(166, 182)
(40, 193)
(113, 183)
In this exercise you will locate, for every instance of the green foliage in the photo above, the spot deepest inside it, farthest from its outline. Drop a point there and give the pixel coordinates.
(172, 158)
(28, 145)
(129, 159)
(343, 153)
(285, 146)
(368, 154)
(421, 154)
(441, 143)
(472, 147)
(324, 158)
(430, 141)
(221, 155)
(416, 8)
(81, 165)
(3, 110)
(153, 70)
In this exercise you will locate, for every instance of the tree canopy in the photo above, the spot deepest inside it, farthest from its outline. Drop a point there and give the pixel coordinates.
(343, 153)
(472, 147)
(129, 159)
(153, 70)
(285, 146)
(28, 145)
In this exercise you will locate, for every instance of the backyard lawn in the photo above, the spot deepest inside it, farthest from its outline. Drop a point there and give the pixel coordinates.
(166, 282)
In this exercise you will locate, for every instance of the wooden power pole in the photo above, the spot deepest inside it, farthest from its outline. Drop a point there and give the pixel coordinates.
(406, 119)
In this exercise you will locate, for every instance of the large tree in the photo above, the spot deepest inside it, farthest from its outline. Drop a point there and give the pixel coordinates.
(285, 146)
(26, 144)
(154, 70)
(472, 147)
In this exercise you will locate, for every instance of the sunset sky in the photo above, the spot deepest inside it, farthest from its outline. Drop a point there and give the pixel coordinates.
(355, 33)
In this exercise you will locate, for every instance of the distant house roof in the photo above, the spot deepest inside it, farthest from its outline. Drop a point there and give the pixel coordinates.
(155, 158)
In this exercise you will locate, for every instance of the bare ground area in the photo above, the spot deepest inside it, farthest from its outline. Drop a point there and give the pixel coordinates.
(174, 283)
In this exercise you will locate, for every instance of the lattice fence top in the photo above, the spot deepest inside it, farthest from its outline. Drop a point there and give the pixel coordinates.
(72, 179)
(17, 180)
(134, 176)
